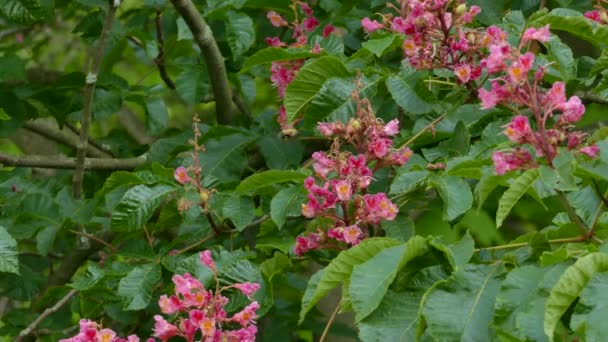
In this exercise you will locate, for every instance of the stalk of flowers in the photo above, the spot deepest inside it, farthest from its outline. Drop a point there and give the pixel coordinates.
(436, 35)
(338, 191)
(284, 72)
(200, 314)
(599, 15)
(514, 87)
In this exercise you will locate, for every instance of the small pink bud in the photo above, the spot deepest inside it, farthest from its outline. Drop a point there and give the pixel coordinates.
(276, 19)
(370, 26)
(181, 175)
(207, 260)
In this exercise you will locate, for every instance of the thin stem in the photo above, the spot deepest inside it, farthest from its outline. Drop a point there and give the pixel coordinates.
(214, 226)
(199, 242)
(572, 214)
(30, 328)
(330, 322)
(524, 244)
(92, 142)
(95, 238)
(50, 162)
(51, 132)
(426, 128)
(89, 95)
(149, 238)
(160, 58)
(598, 212)
(441, 82)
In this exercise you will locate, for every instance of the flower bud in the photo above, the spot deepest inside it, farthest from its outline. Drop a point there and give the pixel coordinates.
(604, 17)
(460, 9)
(471, 38)
(204, 195)
(355, 124)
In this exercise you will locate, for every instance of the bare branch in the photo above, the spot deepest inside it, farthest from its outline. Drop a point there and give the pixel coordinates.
(160, 58)
(89, 95)
(50, 131)
(30, 328)
(213, 58)
(134, 126)
(92, 141)
(57, 162)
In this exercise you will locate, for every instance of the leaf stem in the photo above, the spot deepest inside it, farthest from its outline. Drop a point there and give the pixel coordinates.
(572, 214)
(330, 322)
(426, 128)
(94, 238)
(524, 244)
(50, 162)
(49, 311)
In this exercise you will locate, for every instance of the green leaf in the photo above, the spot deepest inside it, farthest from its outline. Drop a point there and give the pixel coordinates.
(23, 12)
(456, 195)
(13, 69)
(408, 181)
(461, 307)
(88, 278)
(280, 154)
(569, 287)
(275, 54)
(601, 63)
(240, 210)
(267, 178)
(488, 182)
(575, 23)
(401, 228)
(520, 304)
(240, 32)
(404, 92)
(192, 84)
(9, 261)
(137, 206)
(157, 115)
(562, 54)
(119, 178)
(380, 46)
(589, 318)
(286, 203)
(278, 264)
(340, 269)
(309, 81)
(136, 287)
(517, 189)
(459, 253)
(3, 115)
(371, 279)
(225, 158)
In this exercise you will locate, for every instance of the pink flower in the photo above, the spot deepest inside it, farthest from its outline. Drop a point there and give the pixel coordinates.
(305, 244)
(410, 48)
(163, 329)
(189, 327)
(242, 335)
(186, 283)
(327, 30)
(376, 208)
(275, 19)
(495, 62)
(541, 34)
(556, 96)
(463, 72)
(326, 128)
(392, 127)
(181, 175)
(343, 190)
(591, 151)
(518, 71)
(494, 35)
(169, 305)
(106, 335)
(207, 260)
(370, 26)
(573, 110)
(352, 234)
(518, 130)
(380, 147)
(247, 315)
(306, 8)
(310, 23)
(207, 327)
(504, 162)
(248, 289)
(274, 41)
(401, 156)
(594, 15)
(323, 164)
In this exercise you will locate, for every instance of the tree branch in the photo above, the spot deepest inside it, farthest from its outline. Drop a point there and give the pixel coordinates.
(49, 311)
(213, 58)
(47, 162)
(160, 58)
(92, 141)
(89, 95)
(134, 126)
(63, 137)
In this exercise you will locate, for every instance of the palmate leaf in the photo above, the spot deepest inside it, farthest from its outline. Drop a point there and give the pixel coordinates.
(569, 287)
(575, 23)
(275, 54)
(340, 269)
(309, 81)
(8, 253)
(455, 193)
(589, 318)
(267, 178)
(22, 12)
(240, 32)
(461, 307)
(373, 277)
(285, 203)
(240, 210)
(136, 287)
(517, 189)
(137, 206)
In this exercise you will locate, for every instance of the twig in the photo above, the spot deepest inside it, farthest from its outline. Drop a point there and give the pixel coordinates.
(199, 242)
(603, 203)
(524, 244)
(330, 322)
(63, 137)
(572, 214)
(216, 230)
(89, 95)
(426, 128)
(49, 162)
(591, 97)
(160, 58)
(95, 238)
(30, 328)
(92, 141)
(213, 58)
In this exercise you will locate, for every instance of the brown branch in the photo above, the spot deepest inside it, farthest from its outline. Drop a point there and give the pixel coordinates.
(89, 95)
(95, 238)
(199, 242)
(92, 141)
(63, 137)
(49, 311)
(213, 58)
(160, 58)
(424, 130)
(572, 214)
(330, 322)
(58, 162)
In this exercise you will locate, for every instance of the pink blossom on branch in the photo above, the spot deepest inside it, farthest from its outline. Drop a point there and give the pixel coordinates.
(370, 26)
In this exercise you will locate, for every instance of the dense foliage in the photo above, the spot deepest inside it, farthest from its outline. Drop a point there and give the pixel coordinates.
(277, 170)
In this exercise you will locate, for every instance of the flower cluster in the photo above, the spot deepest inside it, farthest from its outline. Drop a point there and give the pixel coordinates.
(203, 309)
(345, 177)
(93, 332)
(600, 15)
(283, 73)
(514, 88)
(435, 35)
